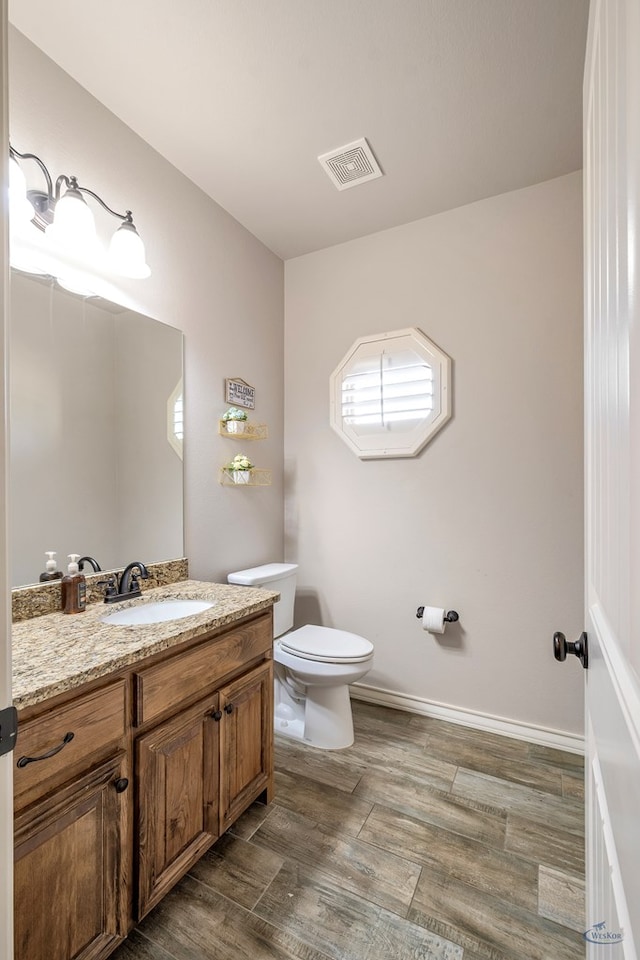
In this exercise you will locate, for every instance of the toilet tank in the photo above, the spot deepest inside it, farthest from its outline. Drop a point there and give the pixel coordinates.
(273, 576)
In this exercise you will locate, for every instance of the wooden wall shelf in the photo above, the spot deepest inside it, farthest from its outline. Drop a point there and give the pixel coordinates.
(251, 431)
(257, 478)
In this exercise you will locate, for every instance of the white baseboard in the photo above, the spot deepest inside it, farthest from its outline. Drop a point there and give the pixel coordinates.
(469, 718)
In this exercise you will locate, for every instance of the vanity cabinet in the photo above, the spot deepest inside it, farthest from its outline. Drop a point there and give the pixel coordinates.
(72, 830)
(246, 742)
(177, 769)
(163, 758)
(198, 770)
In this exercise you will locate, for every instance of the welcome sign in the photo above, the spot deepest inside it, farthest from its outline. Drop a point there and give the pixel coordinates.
(239, 393)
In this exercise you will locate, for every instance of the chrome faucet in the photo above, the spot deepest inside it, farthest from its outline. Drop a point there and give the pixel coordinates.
(129, 585)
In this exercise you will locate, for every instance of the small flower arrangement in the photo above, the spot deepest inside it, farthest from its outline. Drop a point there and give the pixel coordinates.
(240, 462)
(234, 420)
(233, 413)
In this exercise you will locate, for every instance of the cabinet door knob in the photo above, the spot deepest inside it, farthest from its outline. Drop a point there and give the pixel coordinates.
(216, 714)
(121, 785)
(228, 708)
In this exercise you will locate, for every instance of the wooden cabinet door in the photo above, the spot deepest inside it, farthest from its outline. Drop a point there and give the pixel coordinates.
(177, 764)
(72, 868)
(246, 744)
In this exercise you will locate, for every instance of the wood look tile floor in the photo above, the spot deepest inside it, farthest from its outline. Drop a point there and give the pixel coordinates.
(424, 841)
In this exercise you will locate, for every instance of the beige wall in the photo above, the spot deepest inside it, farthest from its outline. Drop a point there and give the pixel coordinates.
(211, 278)
(488, 518)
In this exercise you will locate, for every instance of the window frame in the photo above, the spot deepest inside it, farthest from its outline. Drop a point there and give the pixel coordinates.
(392, 439)
(177, 442)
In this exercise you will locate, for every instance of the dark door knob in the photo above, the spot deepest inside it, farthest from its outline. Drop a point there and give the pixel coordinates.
(228, 708)
(579, 648)
(216, 714)
(121, 785)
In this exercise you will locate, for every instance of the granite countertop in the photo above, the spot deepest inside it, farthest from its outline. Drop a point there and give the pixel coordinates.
(58, 652)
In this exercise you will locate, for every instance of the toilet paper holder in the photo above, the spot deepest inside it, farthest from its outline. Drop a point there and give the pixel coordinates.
(450, 617)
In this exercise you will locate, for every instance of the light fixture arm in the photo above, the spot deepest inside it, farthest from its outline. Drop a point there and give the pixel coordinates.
(45, 203)
(31, 156)
(71, 182)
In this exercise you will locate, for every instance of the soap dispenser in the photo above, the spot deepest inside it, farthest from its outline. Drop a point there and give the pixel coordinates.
(74, 588)
(51, 571)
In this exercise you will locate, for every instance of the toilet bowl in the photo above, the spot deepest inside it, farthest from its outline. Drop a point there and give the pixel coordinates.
(313, 666)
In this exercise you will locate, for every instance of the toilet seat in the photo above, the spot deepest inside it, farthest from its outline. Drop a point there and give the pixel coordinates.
(326, 645)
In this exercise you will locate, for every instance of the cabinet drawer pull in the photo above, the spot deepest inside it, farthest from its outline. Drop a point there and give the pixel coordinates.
(216, 714)
(228, 708)
(23, 761)
(121, 785)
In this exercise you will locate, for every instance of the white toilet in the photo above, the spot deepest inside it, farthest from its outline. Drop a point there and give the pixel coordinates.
(313, 666)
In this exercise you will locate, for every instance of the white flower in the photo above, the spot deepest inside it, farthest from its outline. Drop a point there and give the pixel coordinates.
(240, 462)
(233, 413)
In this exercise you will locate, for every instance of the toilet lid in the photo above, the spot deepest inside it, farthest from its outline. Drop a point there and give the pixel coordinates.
(326, 644)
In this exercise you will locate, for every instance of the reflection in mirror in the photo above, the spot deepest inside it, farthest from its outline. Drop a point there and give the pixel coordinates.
(92, 470)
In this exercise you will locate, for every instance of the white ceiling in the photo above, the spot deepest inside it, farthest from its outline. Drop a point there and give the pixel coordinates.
(459, 99)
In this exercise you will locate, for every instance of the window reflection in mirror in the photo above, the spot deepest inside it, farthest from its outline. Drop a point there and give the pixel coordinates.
(92, 470)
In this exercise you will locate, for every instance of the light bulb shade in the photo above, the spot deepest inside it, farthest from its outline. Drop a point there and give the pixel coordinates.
(20, 210)
(73, 231)
(73, 222)
(127, 254)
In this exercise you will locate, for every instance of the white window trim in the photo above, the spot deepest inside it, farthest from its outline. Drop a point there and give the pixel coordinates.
(391, 439)
(175, 437)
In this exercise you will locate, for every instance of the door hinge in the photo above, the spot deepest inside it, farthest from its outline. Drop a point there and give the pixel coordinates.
(8, 729)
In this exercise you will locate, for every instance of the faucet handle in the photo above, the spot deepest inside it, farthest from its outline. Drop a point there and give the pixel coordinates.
(135, 582)
(111, 589)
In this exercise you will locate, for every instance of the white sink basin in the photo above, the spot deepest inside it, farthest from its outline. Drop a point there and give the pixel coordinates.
(159, 612)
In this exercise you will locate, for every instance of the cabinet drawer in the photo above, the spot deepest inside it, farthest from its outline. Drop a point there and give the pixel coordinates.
(192, 674)
(96, 721)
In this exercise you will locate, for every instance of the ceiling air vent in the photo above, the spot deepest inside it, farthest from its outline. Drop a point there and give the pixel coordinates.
(350, 165)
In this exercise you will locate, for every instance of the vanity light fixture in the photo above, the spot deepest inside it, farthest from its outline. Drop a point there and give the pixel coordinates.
(54, 231)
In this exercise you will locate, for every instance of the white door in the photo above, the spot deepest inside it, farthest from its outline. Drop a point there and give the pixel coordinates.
(6, 792)
(612, 464)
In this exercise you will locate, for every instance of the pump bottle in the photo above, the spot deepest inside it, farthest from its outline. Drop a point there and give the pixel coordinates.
(51, 571)
(74, 588)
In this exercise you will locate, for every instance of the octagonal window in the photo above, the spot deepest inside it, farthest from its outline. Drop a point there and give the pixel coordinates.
(175, 418)
(390, 394)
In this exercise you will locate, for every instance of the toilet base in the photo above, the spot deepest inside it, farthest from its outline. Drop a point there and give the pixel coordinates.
(293, 729)
(327, 722)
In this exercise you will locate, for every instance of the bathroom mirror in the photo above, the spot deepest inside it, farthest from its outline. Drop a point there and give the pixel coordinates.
(94, 466)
